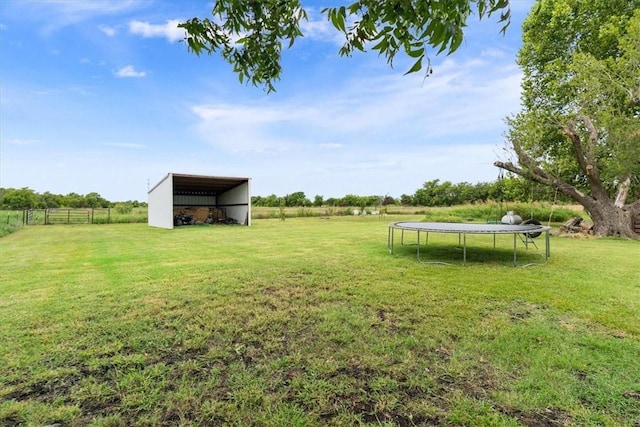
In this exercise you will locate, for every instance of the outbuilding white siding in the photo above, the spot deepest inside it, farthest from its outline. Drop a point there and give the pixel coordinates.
(160, 209)
(234, 202)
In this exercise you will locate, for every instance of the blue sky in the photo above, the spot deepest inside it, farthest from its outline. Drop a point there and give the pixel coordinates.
(102, 96)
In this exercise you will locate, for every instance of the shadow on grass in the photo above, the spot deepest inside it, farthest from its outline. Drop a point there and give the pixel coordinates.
(448, 253)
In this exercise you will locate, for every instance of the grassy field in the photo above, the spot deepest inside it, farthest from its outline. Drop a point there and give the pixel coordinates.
(489, 211)
(311, 321)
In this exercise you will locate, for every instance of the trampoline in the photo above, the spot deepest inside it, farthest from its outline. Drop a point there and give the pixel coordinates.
(526, 233)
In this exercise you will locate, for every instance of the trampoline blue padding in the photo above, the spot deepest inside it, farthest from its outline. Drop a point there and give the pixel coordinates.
(526, 232)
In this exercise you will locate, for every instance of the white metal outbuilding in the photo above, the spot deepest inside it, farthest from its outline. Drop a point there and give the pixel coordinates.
(175, 191)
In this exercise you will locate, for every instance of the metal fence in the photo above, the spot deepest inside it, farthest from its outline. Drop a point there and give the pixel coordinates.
(66, 216)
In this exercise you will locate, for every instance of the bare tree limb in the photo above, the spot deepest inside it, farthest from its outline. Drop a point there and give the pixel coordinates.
(549, 180)
(570, 132)
(623, 191)
(592, 162)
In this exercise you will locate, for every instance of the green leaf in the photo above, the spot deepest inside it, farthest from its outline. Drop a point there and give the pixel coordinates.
(417, 66)
(416, 53)
(381, 46)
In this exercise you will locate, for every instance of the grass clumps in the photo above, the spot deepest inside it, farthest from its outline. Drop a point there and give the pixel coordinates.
(310, 322)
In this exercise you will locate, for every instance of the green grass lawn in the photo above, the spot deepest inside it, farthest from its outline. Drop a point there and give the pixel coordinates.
(311, 321)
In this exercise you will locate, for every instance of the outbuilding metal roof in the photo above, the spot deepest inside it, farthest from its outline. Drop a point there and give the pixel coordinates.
(199, 184)
(202, 184)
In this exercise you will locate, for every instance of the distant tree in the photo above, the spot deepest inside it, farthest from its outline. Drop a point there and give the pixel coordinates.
(74, 200)
(406, 200)
(465, 193)
(297, 199)
(351, 200)
(95, 200)
(49, 200)
(388, 200)
(17, 199)
(481, 192)
(249, 34)
(332, 201)
(429, 194)
(271, 201)
(368, 201)
(318, 200)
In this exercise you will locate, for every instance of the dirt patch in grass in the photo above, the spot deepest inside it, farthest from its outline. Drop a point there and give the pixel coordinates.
(369, 404)
(550, 417)
(522, 310)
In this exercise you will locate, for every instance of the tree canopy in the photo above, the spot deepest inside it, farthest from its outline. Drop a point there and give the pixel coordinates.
(250, 34)
(26, 198)
(579, 129)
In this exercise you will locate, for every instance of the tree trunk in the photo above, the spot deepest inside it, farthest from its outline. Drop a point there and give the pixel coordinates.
(608, 219)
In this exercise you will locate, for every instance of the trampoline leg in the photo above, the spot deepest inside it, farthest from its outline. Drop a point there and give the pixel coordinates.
(418, 251)
(390, 240)
(548, 246)
(464, 248)
(515, 248)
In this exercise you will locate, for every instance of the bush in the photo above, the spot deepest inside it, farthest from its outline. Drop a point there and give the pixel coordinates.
(123, 208)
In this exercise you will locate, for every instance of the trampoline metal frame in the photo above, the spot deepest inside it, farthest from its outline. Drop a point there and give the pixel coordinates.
(462, 229)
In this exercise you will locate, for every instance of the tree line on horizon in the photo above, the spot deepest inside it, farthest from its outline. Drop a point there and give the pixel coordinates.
(432, 193)
(26, 198)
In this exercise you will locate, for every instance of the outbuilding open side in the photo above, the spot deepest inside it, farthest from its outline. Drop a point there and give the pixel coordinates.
(228, 196)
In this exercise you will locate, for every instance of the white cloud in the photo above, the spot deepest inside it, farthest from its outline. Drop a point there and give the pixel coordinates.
(3, 27)
(109, 31)
(322, 30)
(252, 128)
(129, 71)
(169, 30)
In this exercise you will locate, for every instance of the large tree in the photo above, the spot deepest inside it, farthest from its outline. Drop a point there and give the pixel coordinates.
(249, 34)
(579, 128)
